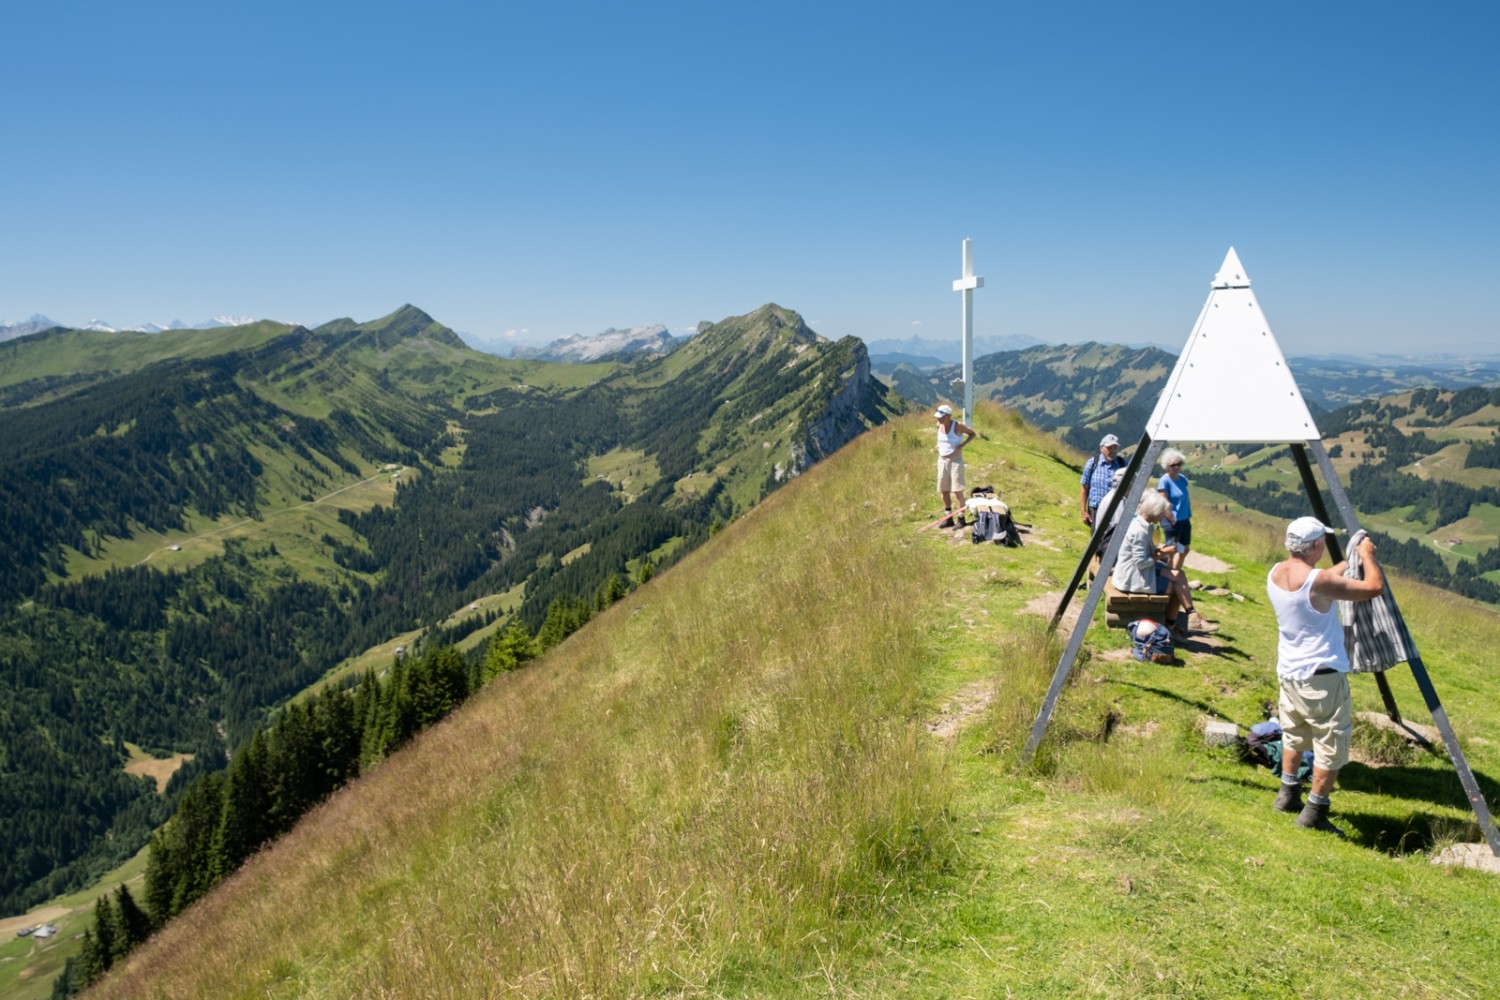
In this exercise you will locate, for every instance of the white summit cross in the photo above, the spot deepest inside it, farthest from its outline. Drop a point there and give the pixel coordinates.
(967, 284)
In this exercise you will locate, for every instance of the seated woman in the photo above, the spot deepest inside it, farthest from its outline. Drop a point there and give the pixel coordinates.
(1140, 569)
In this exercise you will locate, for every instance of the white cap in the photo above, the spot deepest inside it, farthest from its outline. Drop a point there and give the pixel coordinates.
(1304, 531)
(944, 411)
(1109, 439)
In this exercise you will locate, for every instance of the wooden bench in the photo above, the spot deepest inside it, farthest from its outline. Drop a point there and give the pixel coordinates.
(1120, 608)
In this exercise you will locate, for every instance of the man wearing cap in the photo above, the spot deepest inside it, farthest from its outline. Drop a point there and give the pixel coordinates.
(1098, 475)
(1312, 664)
(951, 438)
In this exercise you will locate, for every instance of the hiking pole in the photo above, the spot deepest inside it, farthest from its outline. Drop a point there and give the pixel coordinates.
(938, 521)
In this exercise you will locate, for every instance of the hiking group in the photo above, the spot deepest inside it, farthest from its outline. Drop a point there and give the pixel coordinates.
(1312, 661)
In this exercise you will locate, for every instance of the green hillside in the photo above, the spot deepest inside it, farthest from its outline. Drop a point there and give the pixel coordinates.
(1424, 471)
(788, 767)
(199, 528)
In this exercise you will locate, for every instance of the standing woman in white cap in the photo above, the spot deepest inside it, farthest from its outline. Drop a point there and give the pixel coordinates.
(951, 438)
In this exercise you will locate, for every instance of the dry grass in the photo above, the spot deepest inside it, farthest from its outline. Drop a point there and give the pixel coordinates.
(695, 789)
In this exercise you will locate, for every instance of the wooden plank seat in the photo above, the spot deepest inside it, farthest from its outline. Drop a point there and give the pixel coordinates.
(1120, 608)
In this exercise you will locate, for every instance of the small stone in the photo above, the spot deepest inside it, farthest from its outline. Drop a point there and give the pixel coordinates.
(1477, 856)
(1221, 734)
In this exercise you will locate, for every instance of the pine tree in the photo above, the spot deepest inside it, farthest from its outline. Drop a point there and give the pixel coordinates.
(135, 925)
(559, 624)
(292, 765)
(192, 832)
(337, 738)
(437, 683)
(162, 874)
(508, 649)
(246, 816)
(609, 592)
(91, 963)
(107, 939)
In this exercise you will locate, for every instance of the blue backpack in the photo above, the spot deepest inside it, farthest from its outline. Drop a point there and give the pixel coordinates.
(1150, 641)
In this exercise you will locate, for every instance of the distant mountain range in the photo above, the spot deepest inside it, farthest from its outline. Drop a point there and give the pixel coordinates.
(611, 345)
(919, 351)
(37, 323)
(1083, 390)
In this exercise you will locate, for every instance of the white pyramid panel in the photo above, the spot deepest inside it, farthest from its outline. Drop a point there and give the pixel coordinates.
(1232, 382)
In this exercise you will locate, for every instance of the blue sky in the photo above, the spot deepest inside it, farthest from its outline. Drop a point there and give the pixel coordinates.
(530, 171)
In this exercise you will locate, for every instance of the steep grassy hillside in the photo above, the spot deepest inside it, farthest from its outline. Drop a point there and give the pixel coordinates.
(787, 767)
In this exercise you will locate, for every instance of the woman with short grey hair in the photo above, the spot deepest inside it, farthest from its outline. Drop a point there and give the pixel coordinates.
(1139, 569)
(1178, 527)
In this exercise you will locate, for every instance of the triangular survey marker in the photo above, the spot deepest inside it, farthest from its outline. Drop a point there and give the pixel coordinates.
(1231, 382)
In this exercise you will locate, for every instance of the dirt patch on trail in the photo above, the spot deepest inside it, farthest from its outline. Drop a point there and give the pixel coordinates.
(966, 705)
(1045, 605)
(10, 925)
(1205, 564)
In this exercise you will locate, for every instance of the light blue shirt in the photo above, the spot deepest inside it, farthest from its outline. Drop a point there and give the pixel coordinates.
(1177, 495)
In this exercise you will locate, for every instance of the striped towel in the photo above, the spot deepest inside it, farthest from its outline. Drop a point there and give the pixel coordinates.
(1374, 633)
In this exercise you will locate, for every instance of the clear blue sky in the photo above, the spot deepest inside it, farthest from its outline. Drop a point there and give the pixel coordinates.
(538, 170)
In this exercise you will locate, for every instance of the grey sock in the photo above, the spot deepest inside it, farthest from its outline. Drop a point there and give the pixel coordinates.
(1317, 800)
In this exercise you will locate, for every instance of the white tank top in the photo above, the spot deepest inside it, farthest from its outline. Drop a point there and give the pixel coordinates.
(948, 439)
(1309, 639)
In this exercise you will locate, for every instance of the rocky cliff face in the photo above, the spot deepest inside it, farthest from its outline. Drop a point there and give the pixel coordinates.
(860, 401)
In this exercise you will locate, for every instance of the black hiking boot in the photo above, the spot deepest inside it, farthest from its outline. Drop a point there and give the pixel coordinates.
(1314, 816)
(1289, 799)
(946, 522)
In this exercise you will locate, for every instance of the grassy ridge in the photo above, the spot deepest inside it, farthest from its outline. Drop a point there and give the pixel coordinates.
(787, 767)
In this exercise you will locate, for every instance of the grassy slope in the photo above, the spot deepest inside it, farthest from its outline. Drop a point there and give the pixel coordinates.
(68, 353)
(726, 785)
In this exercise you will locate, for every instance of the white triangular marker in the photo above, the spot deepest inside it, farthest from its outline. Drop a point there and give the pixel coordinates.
(1232, 382)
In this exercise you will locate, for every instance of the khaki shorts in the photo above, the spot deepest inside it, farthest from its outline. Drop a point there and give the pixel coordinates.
(1317, 712)
(950, 474)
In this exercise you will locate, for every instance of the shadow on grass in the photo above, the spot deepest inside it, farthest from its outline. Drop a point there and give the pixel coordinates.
(1202, 706)
(1227, 651)
(1438, 785)
(1418, 831)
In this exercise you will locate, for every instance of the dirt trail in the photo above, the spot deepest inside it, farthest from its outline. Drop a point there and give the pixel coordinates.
(274, 513)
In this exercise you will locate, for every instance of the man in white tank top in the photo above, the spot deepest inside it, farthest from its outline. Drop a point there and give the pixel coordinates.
(1313, 666)
(951, 438)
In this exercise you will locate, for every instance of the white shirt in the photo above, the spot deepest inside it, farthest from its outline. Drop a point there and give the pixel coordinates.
(1309, 639)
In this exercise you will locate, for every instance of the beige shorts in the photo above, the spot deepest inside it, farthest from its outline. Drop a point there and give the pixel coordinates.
(950, 474)
(1317, 712)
